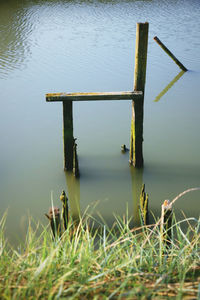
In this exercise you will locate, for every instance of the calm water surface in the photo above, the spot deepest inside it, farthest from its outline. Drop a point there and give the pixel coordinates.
(71, 46)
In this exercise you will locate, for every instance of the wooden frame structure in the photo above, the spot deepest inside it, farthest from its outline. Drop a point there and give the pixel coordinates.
(137, 97)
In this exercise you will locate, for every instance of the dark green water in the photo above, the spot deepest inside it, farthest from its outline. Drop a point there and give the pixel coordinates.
(81, 46)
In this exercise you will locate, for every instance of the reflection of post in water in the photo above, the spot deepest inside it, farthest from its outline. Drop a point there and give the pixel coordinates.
(176, 78)
(73, 192)
(137, 182)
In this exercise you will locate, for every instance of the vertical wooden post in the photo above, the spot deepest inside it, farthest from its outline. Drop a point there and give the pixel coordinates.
(65, 209)
(166, 223)
(144, 206)
(68, 139)
(75, 160)
(136, 152)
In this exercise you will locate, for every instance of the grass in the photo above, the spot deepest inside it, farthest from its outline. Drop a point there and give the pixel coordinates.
(103, 263)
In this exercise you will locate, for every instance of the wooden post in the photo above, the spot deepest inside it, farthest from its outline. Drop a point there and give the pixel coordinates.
(68, 139)
(75, 160)
(170, 54)
(144, 209)
(65, 209)
(136, 152)
(166, 223)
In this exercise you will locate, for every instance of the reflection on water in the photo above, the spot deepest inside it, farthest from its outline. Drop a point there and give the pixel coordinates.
(73, 189)
(15, 29)
(73, 193)
(137, 182)
(164, 91)
(80, 46)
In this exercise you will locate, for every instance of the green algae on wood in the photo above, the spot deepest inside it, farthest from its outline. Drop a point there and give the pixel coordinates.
(129, 95)
(166, 223)
(65, 209)
(144, 206)
(136, 141)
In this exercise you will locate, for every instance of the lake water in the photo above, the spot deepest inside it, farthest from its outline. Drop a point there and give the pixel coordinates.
(81, 46)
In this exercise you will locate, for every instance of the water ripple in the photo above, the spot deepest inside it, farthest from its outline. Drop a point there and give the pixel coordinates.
(46, 33)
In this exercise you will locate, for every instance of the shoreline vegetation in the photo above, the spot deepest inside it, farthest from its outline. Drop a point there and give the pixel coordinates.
(87, 262)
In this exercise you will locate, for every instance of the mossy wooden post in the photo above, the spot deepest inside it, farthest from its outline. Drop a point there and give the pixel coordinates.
(136, 152)
(166, 223)
(144, 209)
(68, 139)
(65, 209)
(75, 160)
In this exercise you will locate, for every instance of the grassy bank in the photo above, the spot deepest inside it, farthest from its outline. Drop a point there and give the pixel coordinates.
(116, 263)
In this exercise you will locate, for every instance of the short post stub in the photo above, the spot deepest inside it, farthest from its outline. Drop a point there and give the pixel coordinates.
(68, 139)
(166, 223)
(65, 209)
(144, 209)
(136, 151)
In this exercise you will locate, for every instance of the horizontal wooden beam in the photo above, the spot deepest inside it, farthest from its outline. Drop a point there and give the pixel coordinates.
(132, 95)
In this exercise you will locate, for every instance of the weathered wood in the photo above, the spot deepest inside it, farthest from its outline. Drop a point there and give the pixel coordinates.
(75, 161)
(144, 206)
(170, 54)
(137, 97)
(130, 95)
(54, 220)
(68, 139)
(65, 209)
(166, 223)
(136, 151)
